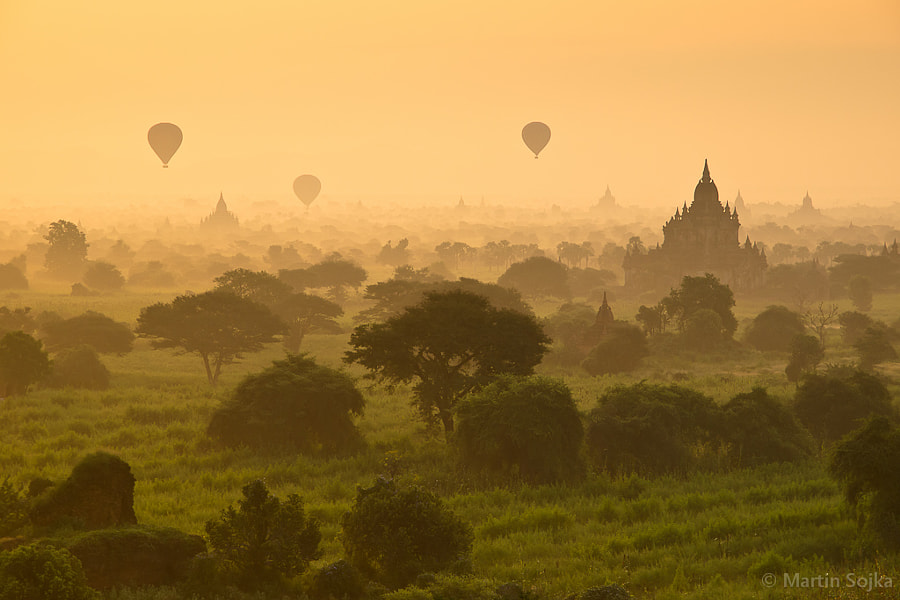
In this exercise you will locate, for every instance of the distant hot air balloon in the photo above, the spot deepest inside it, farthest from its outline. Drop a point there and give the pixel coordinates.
(164, 138)
(536, 136)
(307, 187)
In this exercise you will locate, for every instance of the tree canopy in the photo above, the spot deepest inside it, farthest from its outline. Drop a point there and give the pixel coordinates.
(448, 344)
(68, 249)
(218, 326)
(698, 293)
(537, 276)
(22, 362)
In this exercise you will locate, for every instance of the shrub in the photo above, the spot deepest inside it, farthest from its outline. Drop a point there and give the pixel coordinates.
(11, 278)
(265, 539)
(103, 276)
(13, 509)
(853, 324)
(761, 430)
(338, 581)
(98, 493)
(621, 350)
(833, 405)
(41, 573)
(606, 592)
(22, 362)
(527, 425)
(393, 534)
(806, 353)
(294, 403)
(859, 289)
(773, 329)
(537, 276)
(874, 346)
(650, 428)
(79, 367)
(704, 331)
(91, 328)
(567, 327)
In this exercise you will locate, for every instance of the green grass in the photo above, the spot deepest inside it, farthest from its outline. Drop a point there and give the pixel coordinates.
(703, 536)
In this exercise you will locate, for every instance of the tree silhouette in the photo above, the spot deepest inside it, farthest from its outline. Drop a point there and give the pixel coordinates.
(68, 249)
(22, 362)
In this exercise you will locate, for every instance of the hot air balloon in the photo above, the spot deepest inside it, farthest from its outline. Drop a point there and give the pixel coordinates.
(536, 136)
(164, 138)
(307, 187)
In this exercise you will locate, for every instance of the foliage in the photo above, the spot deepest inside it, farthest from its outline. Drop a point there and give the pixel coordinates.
(41, 573)
(67, 252)
(606, 592)
(585, 283)
(394, 255)
(853, 324)
(449, 344)
(820, 318)
(258, 286)
(653, 319)
(567, 328)
(798, 283)
(79, 367)
(13, 509)
(537, 276)
(704, 331)
(698, 293)
(12, 278)
(648, 429)
(338, 581)
(103, 276)
(22, 362)
(218, 326)
(833, 405)
(882, 271)
(773, 329)
(304, 314)
(867, 465)
(522, 425)
(334, 274)
(762, 430)
(294, 403)
(264, 539)
(859, 288)
(393, 534)
(806, 354)
(152, 274)
(619, 351)
(874, 346)
(91, 328)
(18, 319)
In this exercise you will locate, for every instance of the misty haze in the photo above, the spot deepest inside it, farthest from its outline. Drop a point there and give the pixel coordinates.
(403, 301)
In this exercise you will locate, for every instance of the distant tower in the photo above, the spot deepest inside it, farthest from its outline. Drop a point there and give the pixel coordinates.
(807, 202)
(220, 219)
(605, 319)
(739, 205)
(607, 201)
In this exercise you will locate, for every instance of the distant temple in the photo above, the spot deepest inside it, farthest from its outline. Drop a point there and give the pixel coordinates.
(220, 219)
(700, 238)
(807, 213)
(739, 205)
(607, 201)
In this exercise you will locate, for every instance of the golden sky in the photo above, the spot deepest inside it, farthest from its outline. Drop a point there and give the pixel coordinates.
(425, 99)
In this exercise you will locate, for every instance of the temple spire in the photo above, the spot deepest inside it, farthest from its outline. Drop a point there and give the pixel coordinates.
(706, 178)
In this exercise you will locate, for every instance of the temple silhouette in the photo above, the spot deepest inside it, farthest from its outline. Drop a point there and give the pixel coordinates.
(700, 238)
(220, 219)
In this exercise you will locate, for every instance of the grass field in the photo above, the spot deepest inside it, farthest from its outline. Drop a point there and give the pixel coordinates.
(709, 535)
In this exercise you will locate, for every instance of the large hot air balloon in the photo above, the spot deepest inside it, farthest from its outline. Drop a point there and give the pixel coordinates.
(164, 138)
(307, 187)
(536, 136)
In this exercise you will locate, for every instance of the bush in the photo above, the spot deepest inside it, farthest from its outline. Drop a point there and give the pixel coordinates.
(338, 581)
(22, 362)
(874, 346)
(853, 324)
(11, 278)
(621, 350)
(761, 430)
(13, 509)
(806, 353)
(91, 328)
(79, 367)
(704, 331)
(99, 493)
(773, 329)
(525, 425)
(41, 573)
(650, 429)
(833, 405)
(606, 592)
(294, 403)
(537, 276)
(567, 327)
(392, 534)
(103, 276)
(265, 539)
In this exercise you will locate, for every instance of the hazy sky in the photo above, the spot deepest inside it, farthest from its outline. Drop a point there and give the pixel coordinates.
(424, 99)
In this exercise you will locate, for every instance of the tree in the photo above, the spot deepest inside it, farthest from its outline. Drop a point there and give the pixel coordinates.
(91, 328)
(574, 254)
(454, 252)
(806, 354)
(22, 362)
(833, 405)
(153, 274)
(258, 286)
(18, 319)
(68, 249)
(568, 327)
(449, 344)
(853, 324)
(587, 282)
(305, 313)
(103, 276)
(820, 319)
(759, 429)
(860, 291)
(79, 367)
(218, 326)
(537, 276)
(697, 293)
(621, 350)
(393, 534)
(264, 539)
(653, 319)
(704, 331)
(39, 572)
(294, 403)
(394, 255)
(773, 329)
(334, 274)
(867, 465)
(525, 425)
(12, 278)
(874, 346)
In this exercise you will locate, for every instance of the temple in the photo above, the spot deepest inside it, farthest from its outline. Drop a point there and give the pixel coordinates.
(220, 219)
(698, 239)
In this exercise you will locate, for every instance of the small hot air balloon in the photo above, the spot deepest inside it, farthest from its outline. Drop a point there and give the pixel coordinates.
(165, 139)
(307, 187)
(536, 136)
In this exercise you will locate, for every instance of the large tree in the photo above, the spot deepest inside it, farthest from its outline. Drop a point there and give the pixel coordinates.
(537, 276)
(698, 293)
(218, 326)
(258, 286)
(306, 313)
(68, 249)
(22, 362)
(448, 344)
